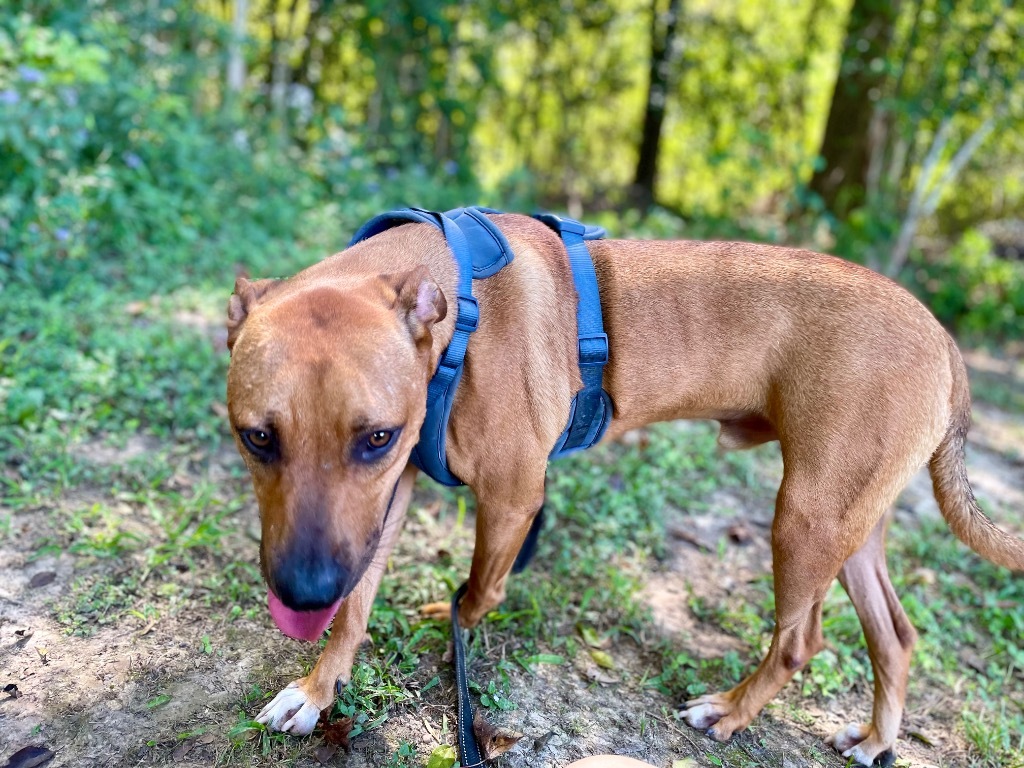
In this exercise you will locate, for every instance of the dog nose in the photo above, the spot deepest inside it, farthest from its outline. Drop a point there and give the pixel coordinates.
(308, 577)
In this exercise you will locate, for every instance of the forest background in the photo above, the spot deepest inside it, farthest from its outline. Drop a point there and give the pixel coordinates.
(888, 133)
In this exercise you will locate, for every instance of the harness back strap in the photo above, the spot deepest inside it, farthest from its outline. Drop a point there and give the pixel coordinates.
(591, 409)
(481, 250)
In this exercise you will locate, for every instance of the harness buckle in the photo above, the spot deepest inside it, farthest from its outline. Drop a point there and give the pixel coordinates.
(594, 349)
(469, 314)
(556, 222)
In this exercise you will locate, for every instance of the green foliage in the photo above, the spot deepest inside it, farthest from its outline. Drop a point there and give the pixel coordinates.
(976, 293)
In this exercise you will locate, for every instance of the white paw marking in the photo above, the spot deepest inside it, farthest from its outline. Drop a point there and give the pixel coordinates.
(702, 716)
(291, 711)
(859, 756)
(846, 738)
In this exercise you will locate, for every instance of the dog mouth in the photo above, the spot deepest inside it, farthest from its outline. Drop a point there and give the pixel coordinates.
(301, 625)
(310, 625)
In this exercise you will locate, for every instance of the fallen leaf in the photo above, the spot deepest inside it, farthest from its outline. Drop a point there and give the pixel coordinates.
(41, 579)
(443, 756)
(336, 733)
(12, 690)
(183, 748)
(146, 629)
(921, 737)
(324, 753)
(686, 762)
(493, 741)
(542, 741)
(24, 632)
(591, 638)
(29, 757)
(603, 659)
(158, 701)
(207, 738)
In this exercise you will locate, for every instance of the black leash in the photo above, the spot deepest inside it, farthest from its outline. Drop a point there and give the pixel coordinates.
(469, 750)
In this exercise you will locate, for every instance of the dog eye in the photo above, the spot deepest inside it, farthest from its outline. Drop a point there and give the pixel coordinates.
(374, 445)
(261, 443)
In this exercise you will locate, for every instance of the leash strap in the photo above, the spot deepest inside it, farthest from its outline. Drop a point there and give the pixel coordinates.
(469, 750)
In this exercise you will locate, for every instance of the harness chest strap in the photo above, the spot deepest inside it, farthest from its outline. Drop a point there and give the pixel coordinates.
(481, 250)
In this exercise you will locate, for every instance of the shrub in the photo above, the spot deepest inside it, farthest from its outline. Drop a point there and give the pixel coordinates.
(973, 291)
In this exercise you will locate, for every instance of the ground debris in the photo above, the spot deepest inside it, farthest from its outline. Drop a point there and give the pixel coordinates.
(740, 534)
(336, 732)
(682, 534)
(180, 751)
(41, 579)
(493, 741)
(324, 753)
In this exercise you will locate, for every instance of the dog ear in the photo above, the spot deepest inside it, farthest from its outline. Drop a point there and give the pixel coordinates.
(419, 299)
(246, 296)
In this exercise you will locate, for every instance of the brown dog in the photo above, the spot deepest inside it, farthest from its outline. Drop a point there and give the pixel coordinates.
(854, 377)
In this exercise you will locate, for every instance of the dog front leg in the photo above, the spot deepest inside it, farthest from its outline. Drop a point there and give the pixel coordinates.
(297, 708)
(504, 516)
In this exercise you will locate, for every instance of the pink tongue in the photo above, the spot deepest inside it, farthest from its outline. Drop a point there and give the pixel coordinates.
(302, 625)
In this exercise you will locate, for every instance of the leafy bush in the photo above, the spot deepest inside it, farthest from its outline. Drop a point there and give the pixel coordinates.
(106, 164)
(972, 291)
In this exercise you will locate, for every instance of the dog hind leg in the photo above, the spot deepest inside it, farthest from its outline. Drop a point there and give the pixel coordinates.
(890, 639)
(819, 521)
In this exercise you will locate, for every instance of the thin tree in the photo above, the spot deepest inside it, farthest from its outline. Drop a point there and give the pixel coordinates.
(663, 32)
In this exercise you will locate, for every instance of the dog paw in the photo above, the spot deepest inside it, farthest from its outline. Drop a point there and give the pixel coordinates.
(291, 711)
(857, 742)
(436, 611)
(716, 714)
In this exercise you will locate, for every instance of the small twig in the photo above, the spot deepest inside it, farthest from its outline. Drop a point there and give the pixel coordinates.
(679, 731)
(690, 538)
(430, 729)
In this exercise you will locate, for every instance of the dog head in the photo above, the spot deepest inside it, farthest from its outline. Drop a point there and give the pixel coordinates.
(326, 396)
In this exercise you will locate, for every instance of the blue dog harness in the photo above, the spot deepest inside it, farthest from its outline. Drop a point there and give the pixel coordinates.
(481, 250)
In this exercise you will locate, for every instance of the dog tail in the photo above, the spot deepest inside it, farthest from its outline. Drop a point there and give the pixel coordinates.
(953, 490)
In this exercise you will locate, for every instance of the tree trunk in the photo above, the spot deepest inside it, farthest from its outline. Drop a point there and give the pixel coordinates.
(663, 30)
(846, 149)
